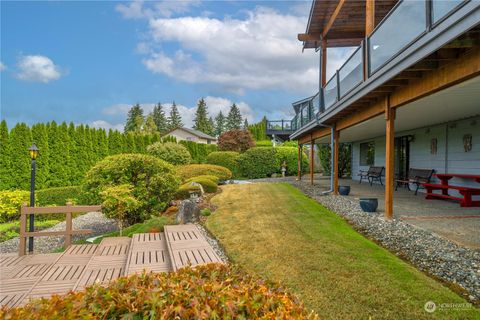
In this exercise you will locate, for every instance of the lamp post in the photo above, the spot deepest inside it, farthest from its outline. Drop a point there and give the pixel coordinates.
(34, 152)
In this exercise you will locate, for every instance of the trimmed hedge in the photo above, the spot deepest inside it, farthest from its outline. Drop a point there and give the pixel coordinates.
(195, 170)
(206, 176)
(290, 155)
(183, 191)
(227, 159)
(212, 291)
(208, 185)
(61, 195)
(199, 151)
(171, 152)
(264, 143)
(154, 182)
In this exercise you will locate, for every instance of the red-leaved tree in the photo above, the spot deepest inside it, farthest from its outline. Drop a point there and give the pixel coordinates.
(236, 140)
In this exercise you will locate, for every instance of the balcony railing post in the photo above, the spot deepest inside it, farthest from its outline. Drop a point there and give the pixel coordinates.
(428, 11)
(338, 86)
(366, 58)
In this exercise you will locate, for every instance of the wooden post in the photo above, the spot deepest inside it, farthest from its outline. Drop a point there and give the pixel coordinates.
(324, 62)
(299, 177)
(312, 160)
(369, 16)
(334, 170)
(68, 225)
(389, 158)
(22, 247)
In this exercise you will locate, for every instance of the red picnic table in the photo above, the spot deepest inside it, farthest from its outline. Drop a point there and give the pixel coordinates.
(466, 192)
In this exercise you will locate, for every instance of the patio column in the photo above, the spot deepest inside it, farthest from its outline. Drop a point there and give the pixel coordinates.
(312, 160)
(299, 176)
(323, 66)
(369, 16)
(334, 170)
(389, 158)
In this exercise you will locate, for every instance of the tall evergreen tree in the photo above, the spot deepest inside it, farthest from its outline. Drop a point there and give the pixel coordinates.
(174, 120)
(58, 142)
(102, 143)
(219, 124)
(245, 124)
(160, 118)
(134, 117)
(201, 121)
(115, 142)
(211, 126)
(20, 142)
(234, 118)
(82, 154)
(150, 127)
(40, 137)
(5, 176)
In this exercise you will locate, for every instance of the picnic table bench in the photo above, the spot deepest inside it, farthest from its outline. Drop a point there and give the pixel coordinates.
(416, 177)
(465, 192)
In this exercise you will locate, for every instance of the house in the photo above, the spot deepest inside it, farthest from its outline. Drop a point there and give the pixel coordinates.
(188, 134)
(407, 97)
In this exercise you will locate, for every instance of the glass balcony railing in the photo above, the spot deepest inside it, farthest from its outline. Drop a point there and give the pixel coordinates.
(279, 125)
(403, 25)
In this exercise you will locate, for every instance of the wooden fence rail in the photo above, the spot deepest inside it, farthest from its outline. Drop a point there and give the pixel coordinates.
(25, 211)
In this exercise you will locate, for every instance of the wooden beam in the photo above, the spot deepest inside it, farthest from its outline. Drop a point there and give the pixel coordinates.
(324, 62)
(336, 141)
(334, 15)
(312, 160)
(389, 158)
(424, 66)
(366, 113)
(369, 16)
(299, 177)
(309, 37)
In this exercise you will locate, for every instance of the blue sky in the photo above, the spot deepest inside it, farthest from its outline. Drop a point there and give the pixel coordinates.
(87, 62)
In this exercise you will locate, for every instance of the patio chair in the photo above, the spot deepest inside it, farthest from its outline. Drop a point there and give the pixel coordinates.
(416, 177)
(373, 173)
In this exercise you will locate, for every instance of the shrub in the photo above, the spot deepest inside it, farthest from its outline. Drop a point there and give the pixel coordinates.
(199, 151)
(208, 185)
(290, 143)
(264, 143)
(10, 203)
(60, 196)
(209, 177)
(184, 190)
(290, 156)
(236, 140)
(212, 291)
(227, 159)
(118, 202)
(206, 212)
(171, 152)
(258, 163)
(195, 170)
(154, 181)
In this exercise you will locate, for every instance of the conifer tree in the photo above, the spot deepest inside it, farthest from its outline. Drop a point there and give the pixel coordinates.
(58, 142)
(219, 124)
(20, 141)
(150, 127)
(234, 118)
(102, 143)
(5, 176)
(201, 121)
(129, 142)
(81, 152)
(115, 142)
(245, 124)
(174, 120)
(211, 126)
(40, 137)
(160, 118)
(134, 119)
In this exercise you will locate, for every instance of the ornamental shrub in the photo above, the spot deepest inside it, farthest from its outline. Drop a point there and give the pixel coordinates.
(208, 185)
(264, 143)
(118, 202)
(206, 176)
(236, 140)
(258, 163)
(290, 156)
(227, 159)
(171, 152)
(212, 291)
(199, 151)
(154, 182)
(60, 196)
(195, 170)
(183, 191)
(10, 203)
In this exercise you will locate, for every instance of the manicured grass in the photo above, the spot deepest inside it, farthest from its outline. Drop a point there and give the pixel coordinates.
(9, 230)
(276, 231)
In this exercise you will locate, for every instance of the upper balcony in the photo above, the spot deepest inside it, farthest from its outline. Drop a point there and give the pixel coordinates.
(399, 44)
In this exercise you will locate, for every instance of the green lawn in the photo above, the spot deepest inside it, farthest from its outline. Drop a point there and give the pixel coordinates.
(276, 231)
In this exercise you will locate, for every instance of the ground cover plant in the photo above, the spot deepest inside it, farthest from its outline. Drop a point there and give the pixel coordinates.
(276, 231)
(213, 291)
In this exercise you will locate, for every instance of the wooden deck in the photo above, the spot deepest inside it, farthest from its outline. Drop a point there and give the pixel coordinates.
(33, 276)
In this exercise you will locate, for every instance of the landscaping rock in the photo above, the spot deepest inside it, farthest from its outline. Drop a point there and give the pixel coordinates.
(188, 212)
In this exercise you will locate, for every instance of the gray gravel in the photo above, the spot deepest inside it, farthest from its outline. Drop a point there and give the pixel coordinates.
(213, 242)
(426, 251)
(92, 220)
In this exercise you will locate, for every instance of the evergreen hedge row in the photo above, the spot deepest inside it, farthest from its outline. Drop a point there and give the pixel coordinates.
(199, 151)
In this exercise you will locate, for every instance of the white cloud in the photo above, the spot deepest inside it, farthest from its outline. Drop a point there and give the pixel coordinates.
(37, 68)
(137, 10)
(106, 125)
(2, 66)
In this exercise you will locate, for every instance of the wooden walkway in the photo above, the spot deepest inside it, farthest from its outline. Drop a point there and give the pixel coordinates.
(32, 276)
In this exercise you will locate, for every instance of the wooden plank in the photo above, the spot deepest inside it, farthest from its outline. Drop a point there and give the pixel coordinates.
(56, 233)
(332, 19)
(369, 17)
(22, 246)
(148, 252)
(60, 209)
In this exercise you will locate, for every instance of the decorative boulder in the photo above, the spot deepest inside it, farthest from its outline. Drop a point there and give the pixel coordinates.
(188, 212)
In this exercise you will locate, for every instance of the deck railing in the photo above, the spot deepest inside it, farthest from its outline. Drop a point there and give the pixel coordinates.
(26, 211)
(402, 26)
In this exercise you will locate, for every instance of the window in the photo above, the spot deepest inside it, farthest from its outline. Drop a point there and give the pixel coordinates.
(367, 153)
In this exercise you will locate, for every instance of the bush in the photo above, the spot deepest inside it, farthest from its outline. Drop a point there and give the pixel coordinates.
(199, 151)
(195, 170)
(227, 159)
(184, 190)
(10, 203)
(209, 177)
(206, 212)
(118, 202)
(171, 152)
(290, 156)
(60, 196)
(258, 163)
(290, 143)
(236, 140)
(264, 143)
(212, 291)
(208, 185)
(154, 181)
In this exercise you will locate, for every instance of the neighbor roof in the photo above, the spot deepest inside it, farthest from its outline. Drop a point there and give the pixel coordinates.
(195, 133)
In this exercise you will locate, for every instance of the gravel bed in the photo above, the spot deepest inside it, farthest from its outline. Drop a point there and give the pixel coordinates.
(213, 242)
(92, 220)
(427, 251)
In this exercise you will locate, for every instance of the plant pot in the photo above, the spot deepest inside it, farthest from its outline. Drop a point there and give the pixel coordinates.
(344, 190)
(369, 204)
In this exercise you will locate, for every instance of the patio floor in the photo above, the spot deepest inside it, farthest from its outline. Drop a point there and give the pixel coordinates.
(445, 218)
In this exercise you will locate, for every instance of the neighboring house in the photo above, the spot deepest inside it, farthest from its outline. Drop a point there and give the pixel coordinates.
(191, 135)
(409, 94)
